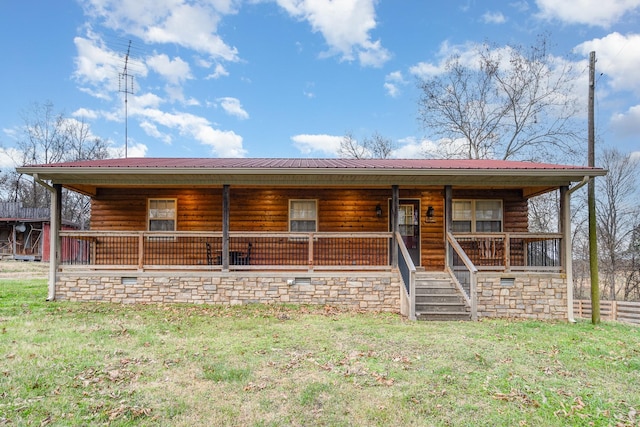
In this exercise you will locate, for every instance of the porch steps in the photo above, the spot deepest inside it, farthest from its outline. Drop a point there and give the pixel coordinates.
(437, 298)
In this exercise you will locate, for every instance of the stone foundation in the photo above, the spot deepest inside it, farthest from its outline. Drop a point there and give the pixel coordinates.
(541, 296)
(365, 291)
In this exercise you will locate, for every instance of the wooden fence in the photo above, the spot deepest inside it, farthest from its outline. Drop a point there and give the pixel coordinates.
(622, 311)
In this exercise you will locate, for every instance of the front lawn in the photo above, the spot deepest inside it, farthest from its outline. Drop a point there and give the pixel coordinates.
(185, 365)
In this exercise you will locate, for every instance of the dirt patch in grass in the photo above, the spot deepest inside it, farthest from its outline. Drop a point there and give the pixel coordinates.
(10, 269)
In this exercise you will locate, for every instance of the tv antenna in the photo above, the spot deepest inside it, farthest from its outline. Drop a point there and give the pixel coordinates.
(125, 85)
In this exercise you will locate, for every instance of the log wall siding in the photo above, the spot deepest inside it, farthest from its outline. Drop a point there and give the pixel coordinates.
(267, 210)
(126, 210)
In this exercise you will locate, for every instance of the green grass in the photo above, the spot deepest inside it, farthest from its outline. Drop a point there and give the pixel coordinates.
(183, 365)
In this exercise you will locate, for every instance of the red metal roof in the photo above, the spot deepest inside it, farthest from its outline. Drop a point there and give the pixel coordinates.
(301, 163)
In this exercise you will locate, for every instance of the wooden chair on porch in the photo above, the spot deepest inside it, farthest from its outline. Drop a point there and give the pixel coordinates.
(243, 258)
(209, 254)
(235, 257)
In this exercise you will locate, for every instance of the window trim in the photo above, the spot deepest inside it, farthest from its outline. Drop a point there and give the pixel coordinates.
(315, 219)
(175, 217)
(474, 210)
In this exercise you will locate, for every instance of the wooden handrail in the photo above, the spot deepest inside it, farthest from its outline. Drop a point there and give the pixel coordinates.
(461, 253)
(412, 276)
(473, 271)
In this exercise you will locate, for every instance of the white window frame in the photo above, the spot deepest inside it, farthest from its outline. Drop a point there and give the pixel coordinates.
(290, 217)
(174, 218)
(474, 213)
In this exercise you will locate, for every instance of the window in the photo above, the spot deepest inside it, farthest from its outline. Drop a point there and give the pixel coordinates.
(477, 216)
(162, 215)
(303, 216)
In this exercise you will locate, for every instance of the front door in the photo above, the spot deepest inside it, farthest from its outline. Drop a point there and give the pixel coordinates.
(409, 227)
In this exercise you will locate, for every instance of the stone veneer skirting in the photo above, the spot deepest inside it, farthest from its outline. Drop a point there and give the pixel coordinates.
(541, 296)
(364, 291)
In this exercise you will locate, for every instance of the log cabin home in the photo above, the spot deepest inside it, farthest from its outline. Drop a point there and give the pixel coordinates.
(430, 239)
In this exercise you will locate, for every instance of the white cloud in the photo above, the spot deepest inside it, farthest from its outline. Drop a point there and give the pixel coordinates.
(86, 113)
(628, 123)
(175, 71)
(345, 26)
(467, 54)
(327, 145)
(152, 130)
(135, 149)
(187, 24)
(412, 148)
(146, 100)
(10, 158)
(494, 18)
(222, 143)
(11, 132)
(520, 6)
(393, 82)
(426, 69)
(618, 58)
(409, 148)
(97, 67)
(233, 107)
(589, 12)
(219, 71)
(392, 89)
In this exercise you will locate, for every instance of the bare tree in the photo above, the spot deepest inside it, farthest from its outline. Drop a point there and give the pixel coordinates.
(543, 213)
(375, 147)
(50, 137)
(82, 144)
(632, 281)
(508, 103)
(617, 211)
(351, 149)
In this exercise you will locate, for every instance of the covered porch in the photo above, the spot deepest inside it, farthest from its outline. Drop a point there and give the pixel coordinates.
(364, 250)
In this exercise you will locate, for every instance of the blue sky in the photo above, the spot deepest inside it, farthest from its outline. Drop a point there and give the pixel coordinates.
(287, 78)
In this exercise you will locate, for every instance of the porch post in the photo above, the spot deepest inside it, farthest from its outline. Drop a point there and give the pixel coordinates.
(566, 257)
(395, 203)
(55, 213)
(225, 226)
(448, 221)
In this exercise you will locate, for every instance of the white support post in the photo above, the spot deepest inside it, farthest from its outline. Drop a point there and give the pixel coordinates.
(54, 239)
(567, 256)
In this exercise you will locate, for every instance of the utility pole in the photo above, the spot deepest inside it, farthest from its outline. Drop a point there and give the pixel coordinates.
(593, 237)
(123, 86)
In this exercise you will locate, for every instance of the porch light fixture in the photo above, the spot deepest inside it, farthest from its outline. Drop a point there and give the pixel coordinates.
(429, 214)
(379, 211)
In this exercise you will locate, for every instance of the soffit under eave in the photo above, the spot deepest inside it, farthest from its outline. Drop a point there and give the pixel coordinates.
(87, 190)
(88, 184)
(529, 192)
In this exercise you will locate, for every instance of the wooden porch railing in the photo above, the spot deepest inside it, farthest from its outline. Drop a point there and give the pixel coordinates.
(247, 251)
(512, 251)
